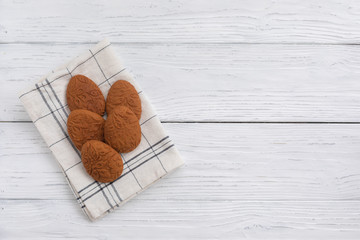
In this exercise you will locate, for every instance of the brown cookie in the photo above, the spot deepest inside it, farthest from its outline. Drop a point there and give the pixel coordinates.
(101, 162)
(83, 93)
(84, 125)
(122, 130)
(122, 93)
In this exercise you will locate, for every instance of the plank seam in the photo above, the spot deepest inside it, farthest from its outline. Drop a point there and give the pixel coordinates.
(184, 43)
(231, 122)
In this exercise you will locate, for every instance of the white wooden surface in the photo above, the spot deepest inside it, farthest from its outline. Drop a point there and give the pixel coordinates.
(262, 99)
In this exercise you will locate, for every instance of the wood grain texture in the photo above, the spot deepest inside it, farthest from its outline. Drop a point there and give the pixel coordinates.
(199, 61)
(224, 162)
(158, 219)
(213, 82)
(239, 181)
(292, 21)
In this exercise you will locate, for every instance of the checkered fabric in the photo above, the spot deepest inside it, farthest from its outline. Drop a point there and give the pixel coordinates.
(46, 105)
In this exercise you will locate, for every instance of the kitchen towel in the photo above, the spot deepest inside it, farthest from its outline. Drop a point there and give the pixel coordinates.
(156, 155)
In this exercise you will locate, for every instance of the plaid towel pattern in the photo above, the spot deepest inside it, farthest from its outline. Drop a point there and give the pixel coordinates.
(46, 105)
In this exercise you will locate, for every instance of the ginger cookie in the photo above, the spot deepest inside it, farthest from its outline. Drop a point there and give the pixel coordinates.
(122, 93)
(83, 93)
(122, 130)
(101, 162)
(84, 125)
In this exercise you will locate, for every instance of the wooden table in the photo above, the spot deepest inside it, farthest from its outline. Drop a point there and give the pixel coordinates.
(262, 99)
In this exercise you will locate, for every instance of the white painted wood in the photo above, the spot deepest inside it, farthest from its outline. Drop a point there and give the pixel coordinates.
(240, 180)
(212, 61)
(223, 162)
(300, 21)
(172, 219)
(213, 82)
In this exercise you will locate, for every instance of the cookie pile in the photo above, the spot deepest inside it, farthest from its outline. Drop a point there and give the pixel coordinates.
(100, 140)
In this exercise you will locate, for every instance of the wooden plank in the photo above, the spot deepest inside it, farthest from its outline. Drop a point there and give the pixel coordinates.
(224, 162)
(158, 219)
(213, 82)
(199, 61)
(324, 21)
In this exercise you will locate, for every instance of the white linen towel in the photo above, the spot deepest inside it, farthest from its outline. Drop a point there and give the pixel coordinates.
(46, 105)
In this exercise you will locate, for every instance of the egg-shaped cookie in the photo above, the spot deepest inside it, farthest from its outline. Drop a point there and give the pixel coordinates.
(101, 162)
(122, 130)
(83, 125)
(83, 93)
(123, 93)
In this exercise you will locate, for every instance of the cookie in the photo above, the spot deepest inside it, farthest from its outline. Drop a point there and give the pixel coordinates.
(83, 93)
(122, 130)
(122, 93)
(83, 125)
(101, 162)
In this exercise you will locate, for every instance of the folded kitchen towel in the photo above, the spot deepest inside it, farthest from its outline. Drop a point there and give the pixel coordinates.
(46, 105)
